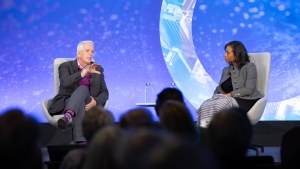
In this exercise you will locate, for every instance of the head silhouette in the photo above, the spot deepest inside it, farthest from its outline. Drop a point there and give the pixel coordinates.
(230, 133)
(167, 94)
(19, 141)
(177, 119)
(135, 118)
(95, 119)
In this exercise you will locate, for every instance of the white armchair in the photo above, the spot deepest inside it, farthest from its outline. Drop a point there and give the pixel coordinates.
(262, 62)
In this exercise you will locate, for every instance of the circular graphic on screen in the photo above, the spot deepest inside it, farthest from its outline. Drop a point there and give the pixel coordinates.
(179, 52)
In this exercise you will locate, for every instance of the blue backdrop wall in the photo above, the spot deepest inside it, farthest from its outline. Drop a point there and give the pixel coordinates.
(136, 41)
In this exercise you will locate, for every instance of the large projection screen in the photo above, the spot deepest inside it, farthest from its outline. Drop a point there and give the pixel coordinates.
(159, 42)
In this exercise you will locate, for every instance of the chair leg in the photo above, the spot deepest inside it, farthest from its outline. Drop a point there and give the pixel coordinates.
(72, 135)
(256, 148)
(262, 149)
(251, 147)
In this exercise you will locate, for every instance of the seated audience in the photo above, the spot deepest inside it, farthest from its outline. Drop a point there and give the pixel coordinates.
(135, 118)
(230, 133)
(167, 94)
(177, 119)
(95, 119)
(135, 145)
(177, 154)
(290, 149)
(101, 153)
(19, 141)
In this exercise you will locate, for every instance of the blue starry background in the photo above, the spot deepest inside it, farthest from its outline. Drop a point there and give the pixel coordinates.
(127, 44)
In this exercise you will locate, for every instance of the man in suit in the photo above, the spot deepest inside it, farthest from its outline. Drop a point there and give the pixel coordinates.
(82, 86)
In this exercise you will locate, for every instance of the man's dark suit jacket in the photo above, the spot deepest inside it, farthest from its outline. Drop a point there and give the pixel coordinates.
(70, 76)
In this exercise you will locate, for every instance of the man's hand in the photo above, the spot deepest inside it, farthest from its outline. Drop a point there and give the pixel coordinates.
(90, 104)
(90, 69)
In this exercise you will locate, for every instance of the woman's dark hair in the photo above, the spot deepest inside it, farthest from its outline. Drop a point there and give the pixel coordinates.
(240, 52)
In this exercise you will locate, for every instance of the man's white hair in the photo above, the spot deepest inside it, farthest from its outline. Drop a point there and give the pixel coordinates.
(80, 45)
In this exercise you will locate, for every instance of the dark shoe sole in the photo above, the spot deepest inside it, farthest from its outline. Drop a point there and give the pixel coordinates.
(61, 123)
(81, 142)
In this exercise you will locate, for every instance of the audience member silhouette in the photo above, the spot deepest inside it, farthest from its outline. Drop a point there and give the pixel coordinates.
(135, 118)
(95, 119)
(19, 141)
(136, 145)
(290, 149)
(230, 133)
(177, 119)
(101, 153)
(177, 154)
(167, 94)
